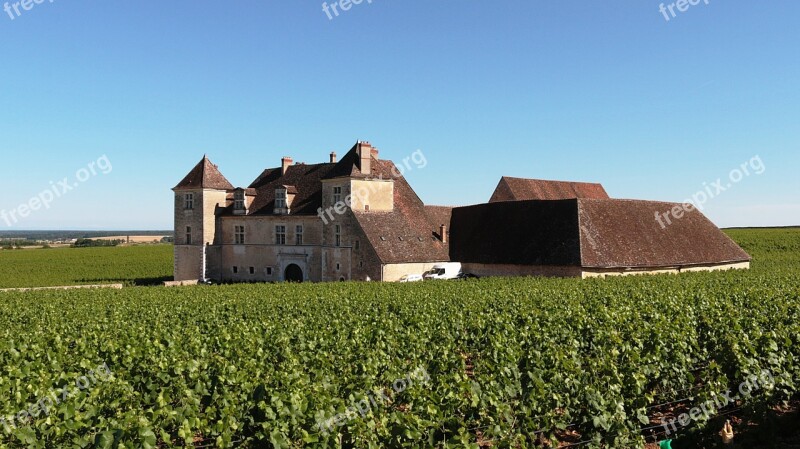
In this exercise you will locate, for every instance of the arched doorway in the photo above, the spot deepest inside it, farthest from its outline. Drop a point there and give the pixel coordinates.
(293, 273)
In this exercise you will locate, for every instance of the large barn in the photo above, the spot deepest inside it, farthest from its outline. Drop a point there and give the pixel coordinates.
(554, 228)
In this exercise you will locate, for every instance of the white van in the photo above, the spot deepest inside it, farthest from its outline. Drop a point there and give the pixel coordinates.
(449, 270)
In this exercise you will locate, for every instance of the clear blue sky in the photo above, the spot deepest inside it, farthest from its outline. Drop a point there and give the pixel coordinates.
(593, 91)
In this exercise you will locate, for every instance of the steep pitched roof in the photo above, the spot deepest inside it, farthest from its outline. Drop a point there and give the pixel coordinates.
(204, 175)
(591, 233)
(409, 233)
(625, 233)
(516, 189)
(305, 182)
(349, 164)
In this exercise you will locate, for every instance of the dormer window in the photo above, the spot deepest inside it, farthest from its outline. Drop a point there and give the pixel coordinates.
(280, 198)
(239, 204)
(283, 199)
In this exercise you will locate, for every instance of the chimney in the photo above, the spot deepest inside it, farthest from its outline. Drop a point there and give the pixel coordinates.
(443, 233)
(364, 150)
(285, 163)
(333, 157)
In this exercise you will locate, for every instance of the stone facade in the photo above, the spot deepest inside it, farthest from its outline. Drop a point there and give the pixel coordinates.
(232, 234)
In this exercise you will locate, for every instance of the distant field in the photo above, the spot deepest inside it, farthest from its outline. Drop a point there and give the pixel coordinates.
(134, 238)
(131, 265)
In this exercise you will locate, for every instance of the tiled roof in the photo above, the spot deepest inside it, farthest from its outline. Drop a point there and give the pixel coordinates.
(592, 233)
(349, 165)
(516, 189)
(305, 180)
(204, 175)
(625, 233)
(410, 232)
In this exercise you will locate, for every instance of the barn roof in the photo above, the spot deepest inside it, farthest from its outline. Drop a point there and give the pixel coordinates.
(591, 233)
(204, 175)
(516, 189)
(625, 233)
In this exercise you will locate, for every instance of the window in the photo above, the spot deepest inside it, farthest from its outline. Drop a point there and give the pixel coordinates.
(188, 235)
(235, 270)
(357, 244)
(280, 198)
(337, 267)
(338, 235)
(280, 235)
(238, 200)
(188, 201)
(361, 264)
(269, 271)
(337, 195)
(298, 235)
(252, 270)
(238, 235)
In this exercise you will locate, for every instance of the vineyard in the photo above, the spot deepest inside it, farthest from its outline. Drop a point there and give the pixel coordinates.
(131, 265)
(477, 363)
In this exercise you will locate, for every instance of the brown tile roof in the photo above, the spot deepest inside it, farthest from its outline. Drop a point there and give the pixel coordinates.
(305, 180)
(204, 175)
(592, 233)
(348, 165)
(410, 232)
(516, 189)
(625, 233)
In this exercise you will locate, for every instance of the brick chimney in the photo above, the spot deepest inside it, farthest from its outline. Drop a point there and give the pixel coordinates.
(333, 157)
(443, 233)
(364, 151)
(286, 161)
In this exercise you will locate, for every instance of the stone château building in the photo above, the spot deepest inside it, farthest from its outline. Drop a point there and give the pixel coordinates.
(355, 218)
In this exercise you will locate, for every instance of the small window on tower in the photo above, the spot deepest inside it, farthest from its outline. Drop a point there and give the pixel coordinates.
(188, 201)
(338, 235)
(337, 195)
(188, 235)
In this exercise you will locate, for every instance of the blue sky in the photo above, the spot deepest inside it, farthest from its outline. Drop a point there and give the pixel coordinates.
(609, 92)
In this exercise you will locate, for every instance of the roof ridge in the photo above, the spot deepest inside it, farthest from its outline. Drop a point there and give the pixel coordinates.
(205, 175)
